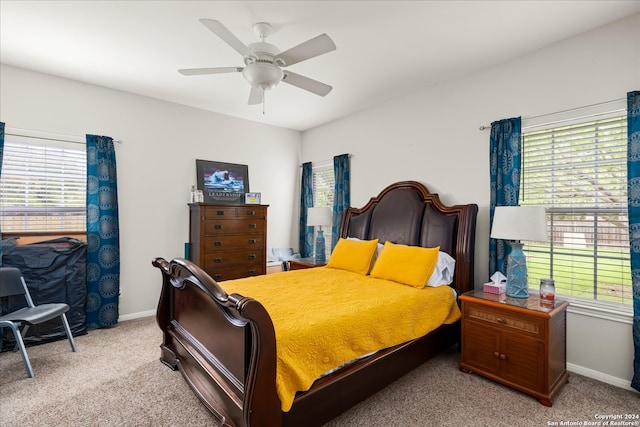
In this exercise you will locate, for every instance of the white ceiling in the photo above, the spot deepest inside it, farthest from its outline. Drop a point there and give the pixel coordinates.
(384, 48)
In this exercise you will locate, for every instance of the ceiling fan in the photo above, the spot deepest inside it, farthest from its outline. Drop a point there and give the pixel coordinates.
(264, 61)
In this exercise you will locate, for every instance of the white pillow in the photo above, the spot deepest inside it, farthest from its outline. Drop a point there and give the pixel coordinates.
(443, 272)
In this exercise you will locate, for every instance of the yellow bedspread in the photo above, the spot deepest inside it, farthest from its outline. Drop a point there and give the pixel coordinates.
(339, 316)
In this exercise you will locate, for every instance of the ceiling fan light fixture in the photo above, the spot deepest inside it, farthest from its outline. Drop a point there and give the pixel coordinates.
(264, 61)
(263, 75)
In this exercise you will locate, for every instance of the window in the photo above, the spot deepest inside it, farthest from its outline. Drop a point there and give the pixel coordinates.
(579, 173)
(323, 186)
(42, 186)
(323, 190)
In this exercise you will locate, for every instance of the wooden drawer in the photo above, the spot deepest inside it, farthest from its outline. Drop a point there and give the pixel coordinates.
(230, 258)
(219, 212)
(252, 212)
(233, 241)
(233, 212)
(220, 274)
(215, 227)
(510, 321)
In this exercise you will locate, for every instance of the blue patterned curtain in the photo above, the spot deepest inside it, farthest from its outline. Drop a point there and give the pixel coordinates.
(633, 176)
(1, 144)
(341, 195)
(103, 233)
(306, 201)
(505, 163)
(1, 156)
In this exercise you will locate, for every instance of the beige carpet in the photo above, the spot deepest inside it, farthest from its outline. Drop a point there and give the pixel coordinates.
(116, 379)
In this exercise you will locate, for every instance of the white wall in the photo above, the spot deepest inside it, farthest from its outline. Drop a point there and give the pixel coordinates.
(156, 164)
(432, 136)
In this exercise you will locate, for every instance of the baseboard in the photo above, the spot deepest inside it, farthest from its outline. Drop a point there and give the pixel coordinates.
(138, 315)
(609, 379)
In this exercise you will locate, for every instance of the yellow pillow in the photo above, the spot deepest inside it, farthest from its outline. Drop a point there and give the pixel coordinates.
(353, 255)
(409, 265)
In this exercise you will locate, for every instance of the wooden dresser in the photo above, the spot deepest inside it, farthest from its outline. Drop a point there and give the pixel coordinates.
(518, 342)
(228, 241)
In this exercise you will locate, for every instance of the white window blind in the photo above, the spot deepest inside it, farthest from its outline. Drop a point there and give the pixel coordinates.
(323, 186)
(579, 173)
(42, 186)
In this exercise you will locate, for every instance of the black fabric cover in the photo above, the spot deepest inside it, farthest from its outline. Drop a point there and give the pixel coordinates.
(55, 271)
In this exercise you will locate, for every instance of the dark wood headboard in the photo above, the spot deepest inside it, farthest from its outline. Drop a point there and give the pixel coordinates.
(407, 213)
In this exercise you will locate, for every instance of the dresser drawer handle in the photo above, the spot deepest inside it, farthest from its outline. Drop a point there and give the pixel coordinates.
(496, 354)
(252, 225)
(218, 260)
(217, 243)
(220, 212)
(501, 320)
(218, 226)
(252, 256)
(217, 277)
(252, 272)
(251, 213)
(252, 241)
(503, 356)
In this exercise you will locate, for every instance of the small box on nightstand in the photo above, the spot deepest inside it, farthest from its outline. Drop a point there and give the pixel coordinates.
(493, 288)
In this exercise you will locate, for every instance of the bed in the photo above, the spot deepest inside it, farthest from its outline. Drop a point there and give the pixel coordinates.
(224, 343)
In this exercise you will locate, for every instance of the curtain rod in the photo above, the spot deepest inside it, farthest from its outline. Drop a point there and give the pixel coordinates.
(329, 161)
(483, 127)
(25, 133)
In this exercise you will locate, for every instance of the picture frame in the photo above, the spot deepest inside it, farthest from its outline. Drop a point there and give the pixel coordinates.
(223, 183)
(252, 198)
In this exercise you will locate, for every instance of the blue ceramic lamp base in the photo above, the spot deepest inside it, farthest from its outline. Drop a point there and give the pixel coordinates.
(320, 248)
(517, 272)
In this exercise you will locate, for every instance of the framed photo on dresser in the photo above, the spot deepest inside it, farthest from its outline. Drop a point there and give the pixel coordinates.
(222, 182)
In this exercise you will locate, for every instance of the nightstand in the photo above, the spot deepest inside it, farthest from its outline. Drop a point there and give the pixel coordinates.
(275, 267)
(518, 342)
(301, 263)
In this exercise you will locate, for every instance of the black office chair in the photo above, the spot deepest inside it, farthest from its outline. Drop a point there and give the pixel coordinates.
(12, 284)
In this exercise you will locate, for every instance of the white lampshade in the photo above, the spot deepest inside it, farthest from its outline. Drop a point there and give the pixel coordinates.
(319, 216)
(520, 223)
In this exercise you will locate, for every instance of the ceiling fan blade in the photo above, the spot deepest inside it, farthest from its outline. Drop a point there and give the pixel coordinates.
(309, 49)
(216, 70)
(306, 83)
(221, 31)
(255, 96)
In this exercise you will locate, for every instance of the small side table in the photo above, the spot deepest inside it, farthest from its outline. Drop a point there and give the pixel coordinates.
(275, 267)
(518, 342)
(302, 263)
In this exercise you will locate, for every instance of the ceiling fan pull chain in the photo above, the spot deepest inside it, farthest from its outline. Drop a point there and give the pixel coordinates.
(263, 101)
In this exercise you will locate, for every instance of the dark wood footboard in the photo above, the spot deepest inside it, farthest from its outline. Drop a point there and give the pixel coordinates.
(224, 345)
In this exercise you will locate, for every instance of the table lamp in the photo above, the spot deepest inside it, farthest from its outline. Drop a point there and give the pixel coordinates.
(515, 223)
(319, 217)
